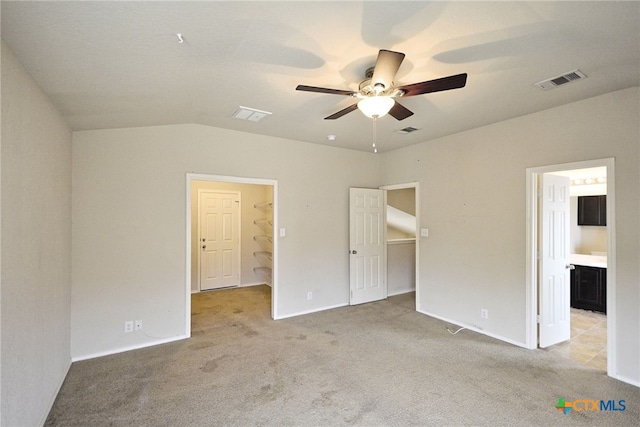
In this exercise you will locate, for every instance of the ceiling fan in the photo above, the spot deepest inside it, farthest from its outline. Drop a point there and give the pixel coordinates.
(377, 91)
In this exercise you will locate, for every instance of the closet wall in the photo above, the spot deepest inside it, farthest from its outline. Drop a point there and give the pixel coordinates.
(401, 246)
(250, 195)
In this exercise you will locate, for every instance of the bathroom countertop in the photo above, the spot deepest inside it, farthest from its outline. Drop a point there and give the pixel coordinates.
(588, 260)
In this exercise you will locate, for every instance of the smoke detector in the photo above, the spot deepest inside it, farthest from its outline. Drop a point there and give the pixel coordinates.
(562, 79)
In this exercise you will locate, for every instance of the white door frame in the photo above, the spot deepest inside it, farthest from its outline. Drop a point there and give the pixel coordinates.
(416, 187)
(237, 180)
(531, 340)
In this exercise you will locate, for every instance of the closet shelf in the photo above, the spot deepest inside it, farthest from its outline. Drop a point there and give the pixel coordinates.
(263, 205)
(265, 273)
(262, 221)
(264, 254)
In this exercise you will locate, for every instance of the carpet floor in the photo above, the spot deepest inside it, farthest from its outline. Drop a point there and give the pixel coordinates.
(376, 364)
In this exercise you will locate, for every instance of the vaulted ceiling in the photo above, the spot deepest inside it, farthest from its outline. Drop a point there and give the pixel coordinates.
(114, 64)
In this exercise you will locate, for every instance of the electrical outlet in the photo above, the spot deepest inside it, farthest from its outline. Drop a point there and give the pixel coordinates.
(128, 326)
(484, 313)
(309, 295)
(138, 325)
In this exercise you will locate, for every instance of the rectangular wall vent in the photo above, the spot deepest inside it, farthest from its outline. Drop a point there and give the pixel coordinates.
(406, 130)
(560, 80)
(251, 114)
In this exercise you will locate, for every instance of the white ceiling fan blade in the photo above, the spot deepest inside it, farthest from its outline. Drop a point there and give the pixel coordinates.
(387, 66)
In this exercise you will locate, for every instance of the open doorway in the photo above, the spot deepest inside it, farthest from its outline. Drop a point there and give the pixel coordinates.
(401, 238)
(591, 250)
(257, 248)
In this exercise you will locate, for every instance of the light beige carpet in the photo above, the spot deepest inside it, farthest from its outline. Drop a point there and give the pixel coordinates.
(377, 364)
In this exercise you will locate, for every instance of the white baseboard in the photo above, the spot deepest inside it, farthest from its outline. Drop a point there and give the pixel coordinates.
(315, 310)
(400, 292)
(475, 329)
(129, 348)
(626, 380)
(246, 285)
(242, 285)
(516, 343)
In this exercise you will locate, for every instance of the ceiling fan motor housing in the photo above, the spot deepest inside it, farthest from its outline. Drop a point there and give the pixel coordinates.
(368, 89)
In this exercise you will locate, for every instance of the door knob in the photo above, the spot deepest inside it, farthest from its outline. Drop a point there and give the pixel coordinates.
(354, 252)
(204, 246)
(570, 266)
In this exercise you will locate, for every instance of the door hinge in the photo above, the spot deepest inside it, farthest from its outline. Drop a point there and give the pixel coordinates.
(538, 318)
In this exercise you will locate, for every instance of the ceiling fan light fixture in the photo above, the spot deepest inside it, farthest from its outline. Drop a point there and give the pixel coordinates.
(376, 106)
(378, 88)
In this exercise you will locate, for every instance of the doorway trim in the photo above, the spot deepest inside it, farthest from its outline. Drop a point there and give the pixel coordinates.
(531, 296)
(416, 186)
(190, 177)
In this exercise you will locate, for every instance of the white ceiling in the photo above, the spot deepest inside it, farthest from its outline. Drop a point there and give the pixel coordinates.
(116, 64)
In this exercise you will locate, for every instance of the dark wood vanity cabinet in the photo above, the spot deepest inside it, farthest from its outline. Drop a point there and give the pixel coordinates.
(592, 210)
(589, 288)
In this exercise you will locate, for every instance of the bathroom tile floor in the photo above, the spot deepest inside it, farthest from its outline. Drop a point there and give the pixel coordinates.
(588, 343)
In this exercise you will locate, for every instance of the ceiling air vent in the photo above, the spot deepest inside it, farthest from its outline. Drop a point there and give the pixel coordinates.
(565, 78)
(251, 114)
(406, 130)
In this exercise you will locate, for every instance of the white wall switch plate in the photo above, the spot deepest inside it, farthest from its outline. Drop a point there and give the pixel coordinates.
(283, 232)
(424, 232)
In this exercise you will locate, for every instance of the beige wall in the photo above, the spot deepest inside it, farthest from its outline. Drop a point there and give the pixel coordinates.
(592, 239)
(129, 193)
(250, 195)
(473, 200)
(36, 248)
(403, 199)
(401, 267)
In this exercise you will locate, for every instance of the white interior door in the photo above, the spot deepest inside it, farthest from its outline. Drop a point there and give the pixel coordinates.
(554, 286)
(219, 239)
(367, 245)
